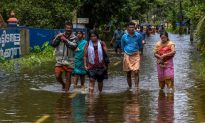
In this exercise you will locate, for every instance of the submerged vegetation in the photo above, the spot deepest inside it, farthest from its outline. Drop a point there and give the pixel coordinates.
(37, 56)
(199, 70)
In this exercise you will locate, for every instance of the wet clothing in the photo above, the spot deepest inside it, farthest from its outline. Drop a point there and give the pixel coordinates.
(96, 68)
(166, 74)
(131, 62)
(131, 44)
(91, 52)
(97, 63)
(97, 74)
(165, 67)
(168, 82)
(79, 62)
(64, 50)
(61, 69)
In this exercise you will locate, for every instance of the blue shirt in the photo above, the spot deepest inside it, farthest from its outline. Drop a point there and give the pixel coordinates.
(143, 35)
(118, 34)
(131, 44)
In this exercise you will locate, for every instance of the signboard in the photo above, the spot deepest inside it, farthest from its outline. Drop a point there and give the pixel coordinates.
(10, 46)
(83, 20)
(10, 43)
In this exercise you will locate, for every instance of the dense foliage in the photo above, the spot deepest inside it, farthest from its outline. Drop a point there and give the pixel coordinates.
(52, 14)
(44, 13)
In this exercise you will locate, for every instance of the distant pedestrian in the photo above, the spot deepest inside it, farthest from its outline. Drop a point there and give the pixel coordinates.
(141, 31)
(117, 39)
(106, 32)
(161, 29)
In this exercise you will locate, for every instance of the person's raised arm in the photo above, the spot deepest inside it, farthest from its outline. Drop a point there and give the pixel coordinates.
(56, 41)
(72, 44)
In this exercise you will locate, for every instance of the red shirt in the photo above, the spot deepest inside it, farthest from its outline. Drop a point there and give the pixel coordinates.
(165, 50)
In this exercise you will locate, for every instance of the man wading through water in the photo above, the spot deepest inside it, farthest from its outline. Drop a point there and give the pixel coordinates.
(131, 43)
(65, 44)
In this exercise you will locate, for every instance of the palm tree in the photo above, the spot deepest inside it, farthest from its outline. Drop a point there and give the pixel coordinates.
(200, 33)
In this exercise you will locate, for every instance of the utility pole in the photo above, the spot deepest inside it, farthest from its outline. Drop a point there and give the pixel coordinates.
(180, 17)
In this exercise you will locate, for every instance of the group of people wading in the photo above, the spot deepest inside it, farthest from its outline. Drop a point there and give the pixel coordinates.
(78, 57)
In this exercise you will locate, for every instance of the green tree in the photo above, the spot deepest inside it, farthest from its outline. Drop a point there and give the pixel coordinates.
(44, 13)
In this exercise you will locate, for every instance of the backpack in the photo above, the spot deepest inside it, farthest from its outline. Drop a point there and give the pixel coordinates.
(105, 56)
(106, 61)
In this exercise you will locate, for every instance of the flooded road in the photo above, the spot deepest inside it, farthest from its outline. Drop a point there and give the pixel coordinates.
(35, 96)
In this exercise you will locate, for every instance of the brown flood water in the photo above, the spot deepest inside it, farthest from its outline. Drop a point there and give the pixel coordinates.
(29, 96)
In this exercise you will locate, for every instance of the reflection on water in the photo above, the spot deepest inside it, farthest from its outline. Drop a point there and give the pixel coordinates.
(62, 112)
(28, 95)
(97, 110)
(69, 110)
(131, 109)
(165, 107)
(79, 108)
